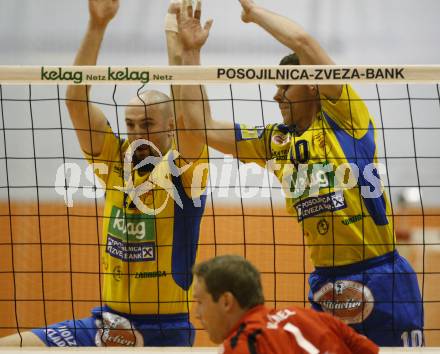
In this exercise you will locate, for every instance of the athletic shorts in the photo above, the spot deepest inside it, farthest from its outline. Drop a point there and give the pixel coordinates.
(379, 298)
(109, 328)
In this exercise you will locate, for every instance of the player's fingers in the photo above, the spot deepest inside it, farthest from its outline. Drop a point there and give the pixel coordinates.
(183, 8)
(178, 15)
(198, 12)
(208, 24)
(171, 16)
(189, 8)
(245, 4)
(173, 8)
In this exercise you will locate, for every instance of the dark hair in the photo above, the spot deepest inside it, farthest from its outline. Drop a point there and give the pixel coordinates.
(234, 274)
(291, 59)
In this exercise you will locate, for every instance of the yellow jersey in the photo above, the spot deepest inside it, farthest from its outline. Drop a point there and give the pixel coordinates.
(344, 222)
(150, 239)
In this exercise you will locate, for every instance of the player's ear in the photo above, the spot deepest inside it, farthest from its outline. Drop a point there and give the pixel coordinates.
(314, 90)
(171, 125)
(228, 301)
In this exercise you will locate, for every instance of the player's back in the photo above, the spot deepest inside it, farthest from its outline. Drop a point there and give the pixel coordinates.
(294, 330)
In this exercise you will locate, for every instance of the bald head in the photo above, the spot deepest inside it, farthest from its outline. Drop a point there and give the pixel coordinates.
(154, 100)
(150, 116)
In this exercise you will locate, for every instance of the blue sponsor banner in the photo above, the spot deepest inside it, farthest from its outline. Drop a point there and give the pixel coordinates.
(130, 252)
(313, 206)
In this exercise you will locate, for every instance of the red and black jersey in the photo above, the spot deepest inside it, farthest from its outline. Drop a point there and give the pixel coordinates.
(294, 330)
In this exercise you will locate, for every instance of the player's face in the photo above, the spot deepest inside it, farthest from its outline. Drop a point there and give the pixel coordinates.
(210, 313)
(294, 102)
(149, 123)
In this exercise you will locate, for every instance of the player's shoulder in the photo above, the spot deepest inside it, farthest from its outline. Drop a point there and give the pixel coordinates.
(244, 338)
(261, 328)
(279, 140)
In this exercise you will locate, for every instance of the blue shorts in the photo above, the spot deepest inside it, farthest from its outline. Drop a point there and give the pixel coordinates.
(379, 298)
(109, 328)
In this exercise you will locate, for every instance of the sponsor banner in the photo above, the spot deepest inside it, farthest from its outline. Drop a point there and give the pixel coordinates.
(148, 275)
(108, 74)
(130, 252)
(131, 227)
(352, 219)
(117, 331)
(317, 205)
(303, 74)
(350, 301)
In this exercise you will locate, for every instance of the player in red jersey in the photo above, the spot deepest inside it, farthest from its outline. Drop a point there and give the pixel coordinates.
(230, 305)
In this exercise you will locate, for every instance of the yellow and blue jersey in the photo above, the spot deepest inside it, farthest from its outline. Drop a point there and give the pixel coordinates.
(341, 225)
(147, 257)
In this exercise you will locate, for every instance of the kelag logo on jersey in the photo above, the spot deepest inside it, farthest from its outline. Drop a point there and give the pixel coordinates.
(131, 227)
(127, 234)
(311, 178)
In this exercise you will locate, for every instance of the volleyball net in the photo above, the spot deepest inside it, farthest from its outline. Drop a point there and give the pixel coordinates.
(51, 205)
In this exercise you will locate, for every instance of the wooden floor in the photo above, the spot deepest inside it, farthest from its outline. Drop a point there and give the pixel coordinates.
(65, 248)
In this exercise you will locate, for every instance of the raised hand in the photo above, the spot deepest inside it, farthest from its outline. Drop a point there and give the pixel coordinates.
(248, 6)
(103, 11)
(192, 34)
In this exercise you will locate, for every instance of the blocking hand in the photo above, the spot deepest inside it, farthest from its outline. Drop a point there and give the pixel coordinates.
(103, 11)
(192, 34)
(248, 6)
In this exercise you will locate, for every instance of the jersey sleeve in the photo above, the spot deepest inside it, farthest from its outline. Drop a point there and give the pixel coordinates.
(348, 112)
(195, 175)
(102, 163)
(253, 144)
(356, 342)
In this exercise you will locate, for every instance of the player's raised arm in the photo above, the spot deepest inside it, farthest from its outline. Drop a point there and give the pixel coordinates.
(174, 44)
(87, 118)
(293, 36)
(197, 112)
(189, 144)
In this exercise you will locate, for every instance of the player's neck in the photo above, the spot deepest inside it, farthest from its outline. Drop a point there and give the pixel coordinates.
(234, 319)
(303, 124)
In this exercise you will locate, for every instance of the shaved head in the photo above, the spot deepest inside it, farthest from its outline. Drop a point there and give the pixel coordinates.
(150, 116)
(153, 99)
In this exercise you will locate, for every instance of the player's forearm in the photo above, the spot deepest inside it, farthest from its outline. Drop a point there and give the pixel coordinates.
(292, 35)
(191, 57)
(91, 44)
(197, 114)
(174, 48)
(197, 117)
(83, 114)
(196, 108)
(87, 55)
